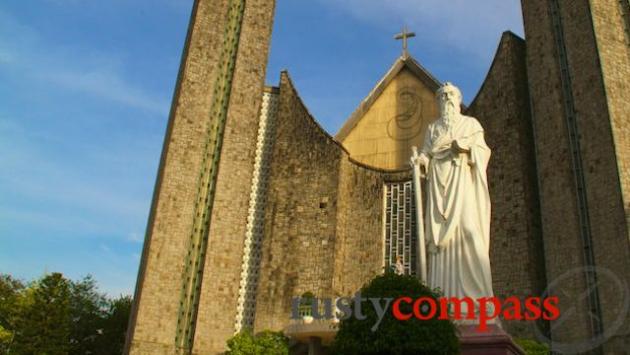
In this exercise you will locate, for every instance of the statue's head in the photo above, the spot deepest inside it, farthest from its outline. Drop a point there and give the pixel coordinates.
(449, 101)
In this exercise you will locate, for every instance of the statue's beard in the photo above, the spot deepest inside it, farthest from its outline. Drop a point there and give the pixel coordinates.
(449, 114)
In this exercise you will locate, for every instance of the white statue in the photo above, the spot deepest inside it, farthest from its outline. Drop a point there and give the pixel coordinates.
(399, 268)
(454, 159)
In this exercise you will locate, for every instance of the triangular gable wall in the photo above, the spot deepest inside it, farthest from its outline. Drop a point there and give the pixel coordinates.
(393, 117)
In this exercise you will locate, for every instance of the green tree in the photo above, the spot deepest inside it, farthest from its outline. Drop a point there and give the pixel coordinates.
(114, 326)
(393, 336)
(54, 315)
(43, 320)
(263, 343)
(10, 290)
(88, 310)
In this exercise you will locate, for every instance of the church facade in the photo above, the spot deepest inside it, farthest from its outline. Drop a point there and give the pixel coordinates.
(255, 203)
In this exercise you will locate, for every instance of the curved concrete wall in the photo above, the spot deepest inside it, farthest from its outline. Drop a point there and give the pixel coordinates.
(323, 220)
(300, 218)
(502, 108)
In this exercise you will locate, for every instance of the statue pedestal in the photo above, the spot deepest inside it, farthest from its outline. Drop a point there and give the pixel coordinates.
(494, 341)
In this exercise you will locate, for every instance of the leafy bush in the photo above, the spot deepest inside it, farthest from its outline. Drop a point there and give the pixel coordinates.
(532, 347)
(393, 336)
(263, 343)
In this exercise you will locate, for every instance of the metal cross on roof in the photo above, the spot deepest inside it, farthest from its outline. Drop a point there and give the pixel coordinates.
(404, 35)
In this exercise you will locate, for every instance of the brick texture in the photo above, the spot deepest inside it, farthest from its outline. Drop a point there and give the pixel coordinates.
(300, 221)
(563, 247)
(154, 319)
(219, 292)
(502, 108)
(323, 219)
(596, 87)
(359, 245)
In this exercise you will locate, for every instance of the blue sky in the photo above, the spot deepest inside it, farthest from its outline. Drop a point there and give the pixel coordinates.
(86, 88)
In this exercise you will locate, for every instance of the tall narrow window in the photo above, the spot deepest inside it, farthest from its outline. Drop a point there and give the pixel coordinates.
(400, 239)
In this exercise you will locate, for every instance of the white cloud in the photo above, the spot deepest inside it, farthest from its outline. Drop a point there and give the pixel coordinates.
(88, 182)
(108, 85)
(37, 177)
(82, 70)
(470, 27)
(47, 220)
(83, 195)
(181, 5)
(104, 248)
(135, 237)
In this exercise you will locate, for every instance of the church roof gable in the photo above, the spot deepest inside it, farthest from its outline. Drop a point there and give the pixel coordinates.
(402, 62)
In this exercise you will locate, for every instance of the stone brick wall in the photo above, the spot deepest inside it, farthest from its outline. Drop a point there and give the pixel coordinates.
(561, 228)
(601, 105)
(611, 20)
(153, 325)
(502, 108)
(598, 103)
(359, 244)
(159, 283)
(221, 277)
(252, 247)
(323, 221)
(300, 220)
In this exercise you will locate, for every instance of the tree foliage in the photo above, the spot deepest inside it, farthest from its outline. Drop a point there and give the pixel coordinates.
(114, 326)
(10, 290)
(532, 347)
(54, 315)
(88, 310)
(44, 321)
(263, 343)
(393, 336)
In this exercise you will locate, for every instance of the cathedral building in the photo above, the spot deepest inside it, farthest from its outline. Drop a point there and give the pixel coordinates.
(255, 203)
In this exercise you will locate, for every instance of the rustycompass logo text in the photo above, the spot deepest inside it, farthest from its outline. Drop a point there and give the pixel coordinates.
(481, 311)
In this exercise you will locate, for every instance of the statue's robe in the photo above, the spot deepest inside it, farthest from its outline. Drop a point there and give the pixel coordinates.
(457, 214)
